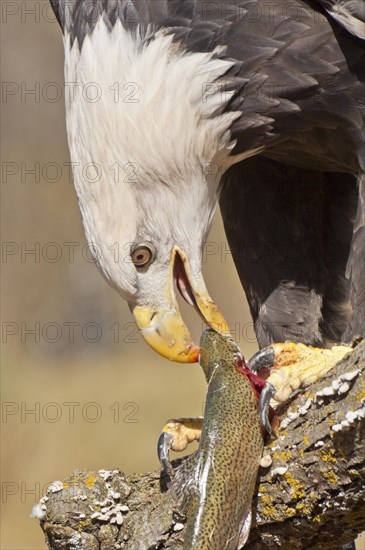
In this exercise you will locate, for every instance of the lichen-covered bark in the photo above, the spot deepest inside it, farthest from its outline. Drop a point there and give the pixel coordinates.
(311, 496)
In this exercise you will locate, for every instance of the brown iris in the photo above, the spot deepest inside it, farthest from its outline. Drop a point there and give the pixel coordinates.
(142, 255)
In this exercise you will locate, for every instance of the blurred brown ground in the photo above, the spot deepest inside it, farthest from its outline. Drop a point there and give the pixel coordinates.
(95, 404)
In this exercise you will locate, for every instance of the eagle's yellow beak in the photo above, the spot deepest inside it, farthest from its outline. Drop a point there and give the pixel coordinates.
(163, 328)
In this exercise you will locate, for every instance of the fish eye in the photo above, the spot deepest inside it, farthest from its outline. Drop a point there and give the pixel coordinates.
(142, 254)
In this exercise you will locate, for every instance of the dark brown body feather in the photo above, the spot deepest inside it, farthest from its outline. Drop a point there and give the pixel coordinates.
(291, 236)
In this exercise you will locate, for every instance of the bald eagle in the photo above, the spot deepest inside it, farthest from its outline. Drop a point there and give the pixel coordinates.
(176, 105)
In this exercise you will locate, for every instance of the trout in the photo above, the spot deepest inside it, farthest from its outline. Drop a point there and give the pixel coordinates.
(214, 486)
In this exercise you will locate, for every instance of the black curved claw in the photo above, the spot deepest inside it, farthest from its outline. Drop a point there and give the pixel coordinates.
(355, 341)
(265, 358)
(264, 405)
(163, 450)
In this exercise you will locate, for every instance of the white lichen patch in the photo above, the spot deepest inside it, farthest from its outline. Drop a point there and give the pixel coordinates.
(118, 519)
(350, 375)
(266, 461)
(344, 388)
(124, 508)
(110, 514)
(279, 471)
(105, 474)
(55, 487)
(101, 517)
(288, 420)
(319, 443)
(110, 510)
(304, 408)
(178, 526)
(339, 386)
(74, 541)
(79, 497)
(350, 418)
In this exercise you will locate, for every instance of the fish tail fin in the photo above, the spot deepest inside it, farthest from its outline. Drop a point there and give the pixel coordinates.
(183, 485)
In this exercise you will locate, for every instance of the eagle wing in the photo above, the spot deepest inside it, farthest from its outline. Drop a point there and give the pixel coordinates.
(349, 13)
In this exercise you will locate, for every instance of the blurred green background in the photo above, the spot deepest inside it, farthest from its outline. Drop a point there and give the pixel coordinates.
(79, 386)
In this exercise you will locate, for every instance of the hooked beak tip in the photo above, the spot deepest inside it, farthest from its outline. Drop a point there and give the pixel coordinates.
(166, 333)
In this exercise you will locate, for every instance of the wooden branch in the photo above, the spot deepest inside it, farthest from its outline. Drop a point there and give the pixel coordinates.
(311, 496)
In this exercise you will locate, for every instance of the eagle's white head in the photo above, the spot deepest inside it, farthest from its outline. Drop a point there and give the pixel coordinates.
(147, 172)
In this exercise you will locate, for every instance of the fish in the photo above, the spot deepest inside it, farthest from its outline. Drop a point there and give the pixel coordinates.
(214, 486)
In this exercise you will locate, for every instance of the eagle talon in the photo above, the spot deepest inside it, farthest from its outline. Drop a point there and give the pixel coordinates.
(264, 406)
(163, 450)
(176, 436)
(356, 341)
(265, 358)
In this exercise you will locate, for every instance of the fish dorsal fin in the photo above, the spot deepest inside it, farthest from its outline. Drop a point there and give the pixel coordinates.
(184, 486)
(245, 529)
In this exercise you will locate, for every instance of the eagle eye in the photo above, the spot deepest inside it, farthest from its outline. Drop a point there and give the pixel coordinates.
(142, 254)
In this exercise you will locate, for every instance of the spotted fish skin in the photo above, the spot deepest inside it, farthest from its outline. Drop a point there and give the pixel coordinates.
(224, 469)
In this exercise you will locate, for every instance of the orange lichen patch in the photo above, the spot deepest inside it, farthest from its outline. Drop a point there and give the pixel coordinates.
(65, 485)
(269, 512)
(305, 440)
(304, 508)
(83, 524)
(286, 455)
(360, 396)
(328, 457)
(266, 499)
(90, 481)
(297, 489)
(278, 512)
(330, 475)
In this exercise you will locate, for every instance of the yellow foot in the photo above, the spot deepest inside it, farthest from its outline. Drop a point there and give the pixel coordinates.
(176, 436)
(295, 366)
